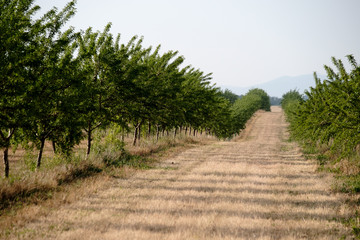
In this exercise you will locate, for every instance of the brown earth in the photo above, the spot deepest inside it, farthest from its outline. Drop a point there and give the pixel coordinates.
(256, 187)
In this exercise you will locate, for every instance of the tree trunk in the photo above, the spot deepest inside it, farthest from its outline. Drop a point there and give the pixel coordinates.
(123, 134)
(136, 133)
(135, 136)
(139, 133)
(6, 161)
(54, 146)
(189, 131)
(175, 132)
(6, 140)
(40, 153)
(149, 130)
(89, 139)
(157, 132)
(208, 131)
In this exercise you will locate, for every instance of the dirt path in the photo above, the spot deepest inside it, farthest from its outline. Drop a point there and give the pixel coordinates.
(259, 187)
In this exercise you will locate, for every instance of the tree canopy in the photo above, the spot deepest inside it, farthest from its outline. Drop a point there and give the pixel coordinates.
(330, 114)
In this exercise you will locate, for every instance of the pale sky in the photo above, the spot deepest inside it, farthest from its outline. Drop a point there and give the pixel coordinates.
(242, 42)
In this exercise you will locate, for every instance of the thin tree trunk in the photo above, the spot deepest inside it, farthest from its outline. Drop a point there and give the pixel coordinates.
(136, 133)
(89, 139)
(175, 132)
(135, 136)
(149, 130)
(123, 134)
(54, 146)
(189, 131)
(157, 132)
(40, 153)
(6, 162)
(208, 131)
(6, 140)
(139, 133)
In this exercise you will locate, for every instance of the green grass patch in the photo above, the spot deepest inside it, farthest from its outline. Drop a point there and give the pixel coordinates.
(348, 184)
(353, 223)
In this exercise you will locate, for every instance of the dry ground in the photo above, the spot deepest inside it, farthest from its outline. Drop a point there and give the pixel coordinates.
(257, 187)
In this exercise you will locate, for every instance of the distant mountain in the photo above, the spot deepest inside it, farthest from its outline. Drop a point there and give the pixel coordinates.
(279, 86)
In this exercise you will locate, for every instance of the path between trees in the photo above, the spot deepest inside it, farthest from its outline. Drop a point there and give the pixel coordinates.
(258, 187)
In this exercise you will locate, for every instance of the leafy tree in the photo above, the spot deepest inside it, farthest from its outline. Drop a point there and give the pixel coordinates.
(155, 89)
(265, 100)
(196, 90)
(244, 108)
(51, 88)
(167, 110)
(330, 114)
(220, 120)
(232, 97)
(97, 55)
(16, 36)
(290, 102)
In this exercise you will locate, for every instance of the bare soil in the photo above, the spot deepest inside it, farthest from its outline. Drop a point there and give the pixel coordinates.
(258, 186)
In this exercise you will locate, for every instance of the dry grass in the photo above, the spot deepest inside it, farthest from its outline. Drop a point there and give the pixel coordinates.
(258, 187)
(28, 195)
(28, 186)
(34, 186)
(149, 146)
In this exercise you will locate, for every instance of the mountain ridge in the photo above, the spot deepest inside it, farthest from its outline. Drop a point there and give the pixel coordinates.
(279, 86)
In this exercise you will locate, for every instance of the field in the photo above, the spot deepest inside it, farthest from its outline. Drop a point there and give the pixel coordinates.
(258, 186)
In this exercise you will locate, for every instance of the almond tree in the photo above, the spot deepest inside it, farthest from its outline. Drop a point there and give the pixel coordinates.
(52, 80)
(108, 69)
(16, 37)
(166, 80)
(330, 114)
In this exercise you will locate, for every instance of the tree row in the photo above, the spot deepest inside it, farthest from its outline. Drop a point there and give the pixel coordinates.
(330, 115)
(61, 85)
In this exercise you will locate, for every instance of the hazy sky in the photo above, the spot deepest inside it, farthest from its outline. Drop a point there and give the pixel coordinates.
(242, 42)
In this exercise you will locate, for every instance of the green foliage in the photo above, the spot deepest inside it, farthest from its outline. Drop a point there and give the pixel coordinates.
(290, 102)
(349, 184)
(331, 114)
(109, 138)
(244, 108)
(232, 97)
(111, 150)
(265, 99)
(17, 34)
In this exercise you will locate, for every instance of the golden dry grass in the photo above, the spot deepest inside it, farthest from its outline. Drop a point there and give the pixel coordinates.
(257, 187)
